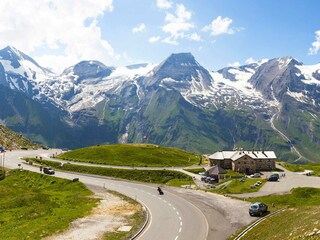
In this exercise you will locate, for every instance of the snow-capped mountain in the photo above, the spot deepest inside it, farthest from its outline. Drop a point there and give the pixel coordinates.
(177, 103)
(20, 72)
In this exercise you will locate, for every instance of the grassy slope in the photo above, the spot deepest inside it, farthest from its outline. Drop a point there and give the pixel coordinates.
(237, 187)
(33, 206)
(150, 176)
(302, 128)
(315, 167)
(12, 140)
(299, 219)
(132, 155)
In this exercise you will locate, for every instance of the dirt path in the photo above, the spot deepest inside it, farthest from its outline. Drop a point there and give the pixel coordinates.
(108, 216)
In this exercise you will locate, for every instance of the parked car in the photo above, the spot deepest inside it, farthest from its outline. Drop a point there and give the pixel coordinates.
(273, 178)
(258, 209)
(255, 175)
(210, 180)
(48, 170)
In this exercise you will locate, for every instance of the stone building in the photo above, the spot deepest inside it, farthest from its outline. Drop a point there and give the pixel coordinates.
(244, 161)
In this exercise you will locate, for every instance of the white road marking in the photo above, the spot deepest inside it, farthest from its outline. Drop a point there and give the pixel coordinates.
(177, 213)
(181, 223)
(180, 218)
(169, 204)
(179, 230)
(166, 201)
(176, 238)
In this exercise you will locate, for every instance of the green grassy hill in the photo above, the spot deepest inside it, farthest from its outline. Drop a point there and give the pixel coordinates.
(12, 140)
(132, 155)
(34, 206)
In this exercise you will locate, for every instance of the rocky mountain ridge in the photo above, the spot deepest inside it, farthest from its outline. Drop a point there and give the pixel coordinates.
(176, 103)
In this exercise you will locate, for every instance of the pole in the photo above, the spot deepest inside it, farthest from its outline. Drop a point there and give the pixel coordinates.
(3, 159)
(2, 162)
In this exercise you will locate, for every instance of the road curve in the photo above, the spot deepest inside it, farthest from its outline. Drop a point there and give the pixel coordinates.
(171, 216)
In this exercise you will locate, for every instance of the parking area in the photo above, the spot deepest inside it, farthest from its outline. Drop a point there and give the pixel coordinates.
(286, 182)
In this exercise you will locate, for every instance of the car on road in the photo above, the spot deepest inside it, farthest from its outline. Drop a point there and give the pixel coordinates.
(258, 209)
(255, 175)
(273, 178)
(48, 170)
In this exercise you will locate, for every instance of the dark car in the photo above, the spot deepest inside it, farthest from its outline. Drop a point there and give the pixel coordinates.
(258, 209)
(2, 149)
(48, 170)
(273, 177)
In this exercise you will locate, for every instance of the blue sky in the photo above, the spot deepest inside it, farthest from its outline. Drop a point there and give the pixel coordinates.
(122, 32)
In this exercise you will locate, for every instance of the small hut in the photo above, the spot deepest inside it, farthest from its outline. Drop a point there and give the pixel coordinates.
(215, 171)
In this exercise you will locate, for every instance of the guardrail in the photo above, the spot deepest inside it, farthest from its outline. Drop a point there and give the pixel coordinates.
(145, 223)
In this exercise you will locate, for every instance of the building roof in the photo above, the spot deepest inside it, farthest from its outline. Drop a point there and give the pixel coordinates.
(215, 170)
(222, 155)
(235, 155)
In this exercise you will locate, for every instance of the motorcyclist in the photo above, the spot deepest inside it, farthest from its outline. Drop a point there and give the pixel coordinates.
(160, 191)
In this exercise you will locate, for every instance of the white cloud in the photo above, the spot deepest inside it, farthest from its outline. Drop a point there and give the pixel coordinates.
(140, 28)
(315, 45)
(195, 37)
(220, 26)
(250, 60)
(70, 29)
(154, 39)
(177, 24)
(235, 64)
(170, 40)
(164, 4)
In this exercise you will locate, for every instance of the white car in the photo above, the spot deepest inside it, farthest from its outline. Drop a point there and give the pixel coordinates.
(255, 175)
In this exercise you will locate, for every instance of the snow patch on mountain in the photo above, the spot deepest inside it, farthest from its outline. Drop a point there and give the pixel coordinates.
(131, 73)
(283, 62)
(299, 96)
(242, 84)
(92, 91)
(308, 73)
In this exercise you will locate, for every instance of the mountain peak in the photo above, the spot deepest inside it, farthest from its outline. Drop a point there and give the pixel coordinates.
(15, 56)
(88, 69)
(182, 59)
(287, 61)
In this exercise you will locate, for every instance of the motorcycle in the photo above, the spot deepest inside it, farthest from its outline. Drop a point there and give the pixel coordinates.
(160, 191)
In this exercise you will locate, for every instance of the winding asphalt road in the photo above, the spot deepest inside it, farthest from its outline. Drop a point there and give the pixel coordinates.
(171, 216)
